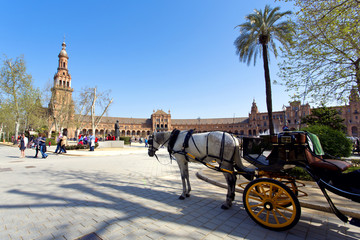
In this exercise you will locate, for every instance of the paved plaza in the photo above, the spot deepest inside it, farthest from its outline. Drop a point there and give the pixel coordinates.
(125, 194)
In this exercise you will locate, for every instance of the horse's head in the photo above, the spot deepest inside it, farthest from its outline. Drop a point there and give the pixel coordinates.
(153, 145)
(156, 141)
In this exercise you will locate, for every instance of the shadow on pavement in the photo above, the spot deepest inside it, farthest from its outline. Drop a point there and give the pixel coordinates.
(154, 199)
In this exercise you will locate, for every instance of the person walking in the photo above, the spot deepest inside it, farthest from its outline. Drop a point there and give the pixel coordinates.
(92, 142)
(63, 144)
(36, 146)
(23, 142)
(58, 144)
(42, 143)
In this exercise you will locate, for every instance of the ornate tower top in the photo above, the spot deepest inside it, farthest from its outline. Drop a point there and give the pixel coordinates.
(63, 52)
(62, 77)
(254, 108)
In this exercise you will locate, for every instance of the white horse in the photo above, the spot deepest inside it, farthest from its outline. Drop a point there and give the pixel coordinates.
(186, 147)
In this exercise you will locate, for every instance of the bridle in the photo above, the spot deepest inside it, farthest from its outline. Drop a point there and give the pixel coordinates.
(151, 144)
(152, 150)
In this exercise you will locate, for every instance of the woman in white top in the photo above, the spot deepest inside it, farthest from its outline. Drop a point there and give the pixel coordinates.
(22, 144)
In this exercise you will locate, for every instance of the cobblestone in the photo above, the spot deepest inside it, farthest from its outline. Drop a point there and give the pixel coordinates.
(129, 196)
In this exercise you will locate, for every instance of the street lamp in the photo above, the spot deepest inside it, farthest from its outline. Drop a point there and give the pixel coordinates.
(199, 124)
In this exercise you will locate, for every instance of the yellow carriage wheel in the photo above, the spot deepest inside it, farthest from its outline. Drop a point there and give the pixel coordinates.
(288, 181)
(271, 204)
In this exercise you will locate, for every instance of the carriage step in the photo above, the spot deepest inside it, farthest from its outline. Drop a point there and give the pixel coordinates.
(355, 222)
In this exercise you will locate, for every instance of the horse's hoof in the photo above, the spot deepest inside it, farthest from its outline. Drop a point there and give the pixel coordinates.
(181, 197)
(225, 207)
(187, 195)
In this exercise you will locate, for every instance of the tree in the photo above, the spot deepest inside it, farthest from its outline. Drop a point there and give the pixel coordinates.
(257, 36)
(18, 93)
(325, 62)
(324, 116)
(90, 98)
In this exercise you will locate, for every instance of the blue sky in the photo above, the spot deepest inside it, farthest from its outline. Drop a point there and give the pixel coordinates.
(171, 55)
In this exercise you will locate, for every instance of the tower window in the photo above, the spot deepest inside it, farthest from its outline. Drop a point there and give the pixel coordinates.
(67, 84)
(63, 64)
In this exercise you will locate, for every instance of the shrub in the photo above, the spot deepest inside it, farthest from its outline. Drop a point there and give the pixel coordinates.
(126, 139)
(334, 142)
(80, 146)
(299, 173)
(53, 142)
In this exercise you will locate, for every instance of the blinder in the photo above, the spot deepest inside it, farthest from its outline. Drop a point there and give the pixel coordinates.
(152, 149)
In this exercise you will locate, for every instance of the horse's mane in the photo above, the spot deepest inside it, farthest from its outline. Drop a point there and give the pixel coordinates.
(160, 137)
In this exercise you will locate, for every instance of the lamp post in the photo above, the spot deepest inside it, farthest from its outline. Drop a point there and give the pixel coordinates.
(285, 120)
(199, 124)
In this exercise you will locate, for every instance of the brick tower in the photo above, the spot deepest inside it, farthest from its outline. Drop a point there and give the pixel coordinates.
(61, 105)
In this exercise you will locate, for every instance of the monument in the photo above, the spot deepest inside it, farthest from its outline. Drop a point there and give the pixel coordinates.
(117, 131)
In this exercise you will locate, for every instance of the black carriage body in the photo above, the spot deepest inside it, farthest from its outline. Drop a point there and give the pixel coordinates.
(288, 149)
(275, 153)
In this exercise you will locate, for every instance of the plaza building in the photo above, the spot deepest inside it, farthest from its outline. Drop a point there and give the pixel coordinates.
(62, 115)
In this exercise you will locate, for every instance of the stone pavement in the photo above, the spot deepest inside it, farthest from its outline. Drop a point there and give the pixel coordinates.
(128, 195)
(314, 199)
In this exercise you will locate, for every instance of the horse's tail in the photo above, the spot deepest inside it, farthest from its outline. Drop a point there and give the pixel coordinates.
(248, 173)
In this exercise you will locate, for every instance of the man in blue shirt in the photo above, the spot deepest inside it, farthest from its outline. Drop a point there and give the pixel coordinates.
(42, 144)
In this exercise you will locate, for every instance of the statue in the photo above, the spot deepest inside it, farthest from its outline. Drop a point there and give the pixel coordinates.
(117, 131)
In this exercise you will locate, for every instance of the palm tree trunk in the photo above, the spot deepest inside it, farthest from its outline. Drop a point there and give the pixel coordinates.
(268, 88)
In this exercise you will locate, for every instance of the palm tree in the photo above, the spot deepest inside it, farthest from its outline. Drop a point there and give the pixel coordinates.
(257, 37)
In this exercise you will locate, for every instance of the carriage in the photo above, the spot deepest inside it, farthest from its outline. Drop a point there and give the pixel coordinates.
(270, 197)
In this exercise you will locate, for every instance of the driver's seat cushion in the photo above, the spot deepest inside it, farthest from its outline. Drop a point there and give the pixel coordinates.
(329, 164)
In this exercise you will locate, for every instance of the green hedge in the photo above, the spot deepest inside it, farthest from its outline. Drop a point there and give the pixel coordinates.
(80, 146)
(53, 142)
(126, 139)
(334, 142)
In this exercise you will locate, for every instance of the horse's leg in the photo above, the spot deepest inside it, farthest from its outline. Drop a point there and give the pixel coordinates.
(230, 196)
(184, 171)
(187, 177)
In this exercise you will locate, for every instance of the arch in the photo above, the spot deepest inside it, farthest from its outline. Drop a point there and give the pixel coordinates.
(123, 133)
(254, 132)
(250, 132)
(133, 133)
(241, 132)
(128, 132)
(354, 131)
(102, 133)
(138, 133)
(148, 133)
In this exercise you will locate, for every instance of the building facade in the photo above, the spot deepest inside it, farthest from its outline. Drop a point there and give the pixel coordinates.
(61, 111)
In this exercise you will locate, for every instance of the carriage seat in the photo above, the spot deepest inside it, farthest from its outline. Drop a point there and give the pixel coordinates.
(328, 164)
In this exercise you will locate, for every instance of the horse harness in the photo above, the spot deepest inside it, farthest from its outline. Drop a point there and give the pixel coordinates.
(172, 140)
